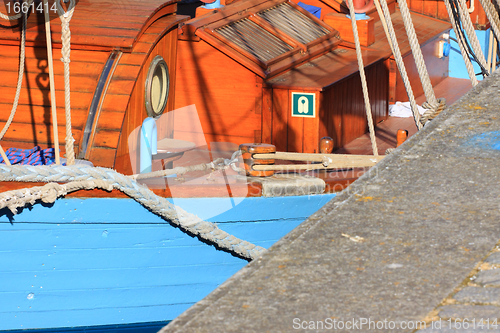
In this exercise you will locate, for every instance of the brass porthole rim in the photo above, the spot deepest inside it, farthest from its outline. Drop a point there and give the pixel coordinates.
(157, 61)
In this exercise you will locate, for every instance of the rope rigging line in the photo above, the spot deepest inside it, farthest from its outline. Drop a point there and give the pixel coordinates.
(417, 54)
(432, 105)
(383, 12)
(457, 29)
(86, 177)
(494, 20)
(50, 63)
(363, 79)
(469, 38)
(65, 17)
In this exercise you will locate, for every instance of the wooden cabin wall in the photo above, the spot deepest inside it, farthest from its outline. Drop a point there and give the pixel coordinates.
(34, 103)
(287, 133)
(437, 9)
(436, 67)
(342, 111)
(227, 96)
(136, 111)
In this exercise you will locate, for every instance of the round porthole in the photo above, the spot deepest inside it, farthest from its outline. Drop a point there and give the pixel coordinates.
(157, 86)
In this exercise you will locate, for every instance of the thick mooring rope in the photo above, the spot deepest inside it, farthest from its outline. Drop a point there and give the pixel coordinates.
(361, 67)
(91, 177)
(65, 17)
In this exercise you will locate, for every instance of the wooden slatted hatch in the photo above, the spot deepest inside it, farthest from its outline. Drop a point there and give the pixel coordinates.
(245, 67)
(113, 44)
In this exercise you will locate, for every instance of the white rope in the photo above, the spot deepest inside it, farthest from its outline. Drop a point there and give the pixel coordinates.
(65, 17)
(432, 105)
(178, 217)
(471, 33)
(494, 20)
(384, 12)
(468, 63)
(492, 15)
(361, 67)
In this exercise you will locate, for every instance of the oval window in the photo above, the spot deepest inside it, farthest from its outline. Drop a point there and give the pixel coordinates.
(157, 87)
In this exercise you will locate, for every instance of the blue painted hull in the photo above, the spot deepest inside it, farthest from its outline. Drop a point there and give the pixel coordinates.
(104, 261)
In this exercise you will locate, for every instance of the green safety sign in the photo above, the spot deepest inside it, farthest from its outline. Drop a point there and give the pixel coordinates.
(303, 105)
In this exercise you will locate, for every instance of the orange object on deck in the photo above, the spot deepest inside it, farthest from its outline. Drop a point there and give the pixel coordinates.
(401, 137)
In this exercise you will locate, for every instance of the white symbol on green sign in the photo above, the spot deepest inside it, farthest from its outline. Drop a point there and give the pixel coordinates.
(303, 105)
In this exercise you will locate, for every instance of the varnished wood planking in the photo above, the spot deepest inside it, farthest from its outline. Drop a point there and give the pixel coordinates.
(226, 106)
(36, 54)
(135, 112)
(344, 110)
(341, 23)
(41, 80)
(437, 68)
(267, 115)
(86, 67)
(281, 102)
(311, 130)
(95, 31)
(107, 138)
(294, 126)
(34, 103)
(35, 135)
(437, 9)
(103, 156)
(41, 115)
(78, 68)
(39, 97)
(428, 29)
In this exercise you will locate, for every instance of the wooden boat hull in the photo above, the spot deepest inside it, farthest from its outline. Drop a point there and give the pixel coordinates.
(109, 261)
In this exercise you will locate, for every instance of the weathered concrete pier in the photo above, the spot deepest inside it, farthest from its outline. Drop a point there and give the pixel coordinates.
(410, 246)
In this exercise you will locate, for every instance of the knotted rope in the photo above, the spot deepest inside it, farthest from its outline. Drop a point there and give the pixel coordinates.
(432, 110)
(364, 86)
(433, 106)
(65, 17)
(91, 177)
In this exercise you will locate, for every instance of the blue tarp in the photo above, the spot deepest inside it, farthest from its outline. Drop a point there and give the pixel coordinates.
(316, 11)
